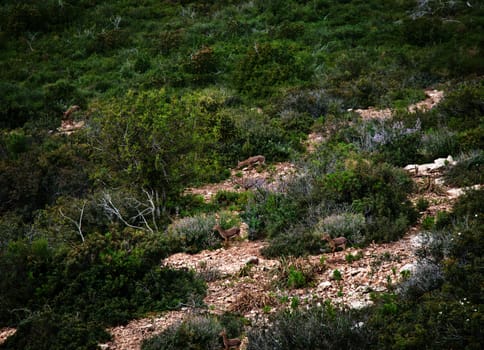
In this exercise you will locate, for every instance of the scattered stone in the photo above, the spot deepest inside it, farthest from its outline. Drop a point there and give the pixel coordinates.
(358, 304)
(324, 285)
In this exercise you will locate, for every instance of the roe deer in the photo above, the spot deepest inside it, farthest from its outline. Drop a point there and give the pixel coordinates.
(226, 234)
(249, 162)
(71, 110)
(336, 242)
(230, 343)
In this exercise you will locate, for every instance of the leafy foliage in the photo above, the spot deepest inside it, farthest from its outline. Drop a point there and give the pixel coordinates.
(195, 333)
(172, 94)
(321, 327)
(104, 281)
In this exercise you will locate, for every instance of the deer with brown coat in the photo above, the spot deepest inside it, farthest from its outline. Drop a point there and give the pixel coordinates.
(226, 234)
(334, 243)
(230, 343)
(250, 162)
(70, 110)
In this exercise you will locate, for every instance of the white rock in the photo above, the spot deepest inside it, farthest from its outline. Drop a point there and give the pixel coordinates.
(439, 181)
(358, 304)
(324, 285)
(408, 267)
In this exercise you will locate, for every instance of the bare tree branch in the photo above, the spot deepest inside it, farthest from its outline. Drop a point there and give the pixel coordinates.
(143, 210)
(78, 224)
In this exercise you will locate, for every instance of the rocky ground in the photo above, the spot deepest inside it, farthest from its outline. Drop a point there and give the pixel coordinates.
(255, 289)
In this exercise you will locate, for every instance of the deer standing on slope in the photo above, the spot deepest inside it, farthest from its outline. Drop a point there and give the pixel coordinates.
(230, 343)
(336, 242)
(250, 162)
(71, 110)
(226, 234)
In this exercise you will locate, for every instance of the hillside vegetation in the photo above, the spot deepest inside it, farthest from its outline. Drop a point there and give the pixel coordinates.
(171, 95)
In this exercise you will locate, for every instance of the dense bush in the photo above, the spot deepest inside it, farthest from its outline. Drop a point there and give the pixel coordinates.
(321, 327)
(105, 281)
(269, 214)
(463, 108)
(194, 233)
(46, 330)
(197, 332)
(51, 168)
(468, 171)
(267, 65)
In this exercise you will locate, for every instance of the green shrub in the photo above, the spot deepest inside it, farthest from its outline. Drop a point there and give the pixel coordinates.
(468, 171)
(315, 102)
(438, 143)
(471, 139)
(428, 223)
(231, 199)
(196, 332)
(463, 107)
(321, 327)
(268, 214)
(337, 275)
(193, 234)
(423, 31)
(46, 330)
(106, 280)
(108, 40)
(295, 279)
(295, 273)
(295, 241)
(347, 224)
(202, 66)
(268, 65)
(422, 204)
(351, 258)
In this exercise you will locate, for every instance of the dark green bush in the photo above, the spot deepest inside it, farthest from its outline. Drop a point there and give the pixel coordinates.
(268, 65)
(105, 280)
(193, 234)
(197, 332)
(108, 40)
(269, 214)
(293, 242)
(46, 330)
(425, 31)
(202, 65)
(471, 139)
(422, 204)
(468, 171)
(463, 107)
(19, 104)
(439, 306)
(316, 328)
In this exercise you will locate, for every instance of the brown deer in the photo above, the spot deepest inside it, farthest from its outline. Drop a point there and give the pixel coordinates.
(250, 162)
(71, 110)
(336, 242)
(230, 343)
(226, 234)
